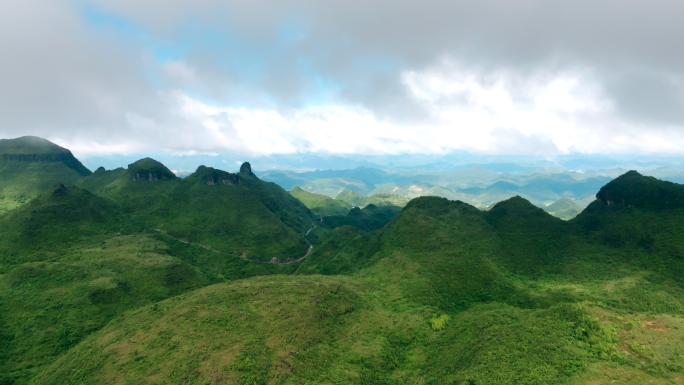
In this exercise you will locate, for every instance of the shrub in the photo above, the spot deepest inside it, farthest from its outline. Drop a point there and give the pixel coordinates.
(438, 323)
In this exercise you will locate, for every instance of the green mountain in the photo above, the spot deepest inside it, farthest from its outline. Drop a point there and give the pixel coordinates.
(136, 276)
(320, 204)
(71, 261)
(30, 165)
(369, 218)
(235, 214)
(564, 208)
(425, 292)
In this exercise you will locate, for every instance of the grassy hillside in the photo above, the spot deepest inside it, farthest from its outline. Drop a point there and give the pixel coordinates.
(444, 293)
(72, 261)
(51, 224)
(320, 204)
(50, 306)
(326, 330)
(431, 302)
(31, 165)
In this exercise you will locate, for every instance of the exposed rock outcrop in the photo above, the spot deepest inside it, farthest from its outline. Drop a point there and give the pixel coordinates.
(246, 169)
(212, 176)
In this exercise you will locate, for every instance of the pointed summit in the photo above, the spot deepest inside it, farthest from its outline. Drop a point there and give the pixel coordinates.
(246, 169)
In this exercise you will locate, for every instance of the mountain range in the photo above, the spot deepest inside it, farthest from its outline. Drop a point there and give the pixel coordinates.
(134, 275)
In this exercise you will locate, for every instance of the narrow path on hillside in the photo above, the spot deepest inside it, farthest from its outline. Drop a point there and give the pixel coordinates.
(274, 260)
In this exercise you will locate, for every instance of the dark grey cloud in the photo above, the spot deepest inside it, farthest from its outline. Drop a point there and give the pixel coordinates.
(648, 98)
(602, 36)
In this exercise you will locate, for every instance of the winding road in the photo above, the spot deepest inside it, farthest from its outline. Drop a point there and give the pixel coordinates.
(274, 260)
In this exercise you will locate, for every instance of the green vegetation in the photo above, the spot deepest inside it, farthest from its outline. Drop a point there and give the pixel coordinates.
(369, 218)
(136, 276)
(320, 204)
(438, 323)
(235, 214)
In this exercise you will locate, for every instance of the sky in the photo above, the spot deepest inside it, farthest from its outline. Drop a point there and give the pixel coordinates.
(372, 77)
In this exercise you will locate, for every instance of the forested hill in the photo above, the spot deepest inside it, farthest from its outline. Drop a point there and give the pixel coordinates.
(134, 275)
(34, 149)
(30, 165)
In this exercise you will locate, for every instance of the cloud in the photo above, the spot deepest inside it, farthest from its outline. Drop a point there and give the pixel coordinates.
(494, 76)
(648, 98)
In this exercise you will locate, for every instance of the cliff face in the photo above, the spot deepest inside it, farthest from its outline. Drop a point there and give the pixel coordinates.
(212, 176)
(149, 176)
(34, 149)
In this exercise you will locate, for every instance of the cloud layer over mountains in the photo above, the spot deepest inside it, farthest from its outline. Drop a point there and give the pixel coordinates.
(261, 77)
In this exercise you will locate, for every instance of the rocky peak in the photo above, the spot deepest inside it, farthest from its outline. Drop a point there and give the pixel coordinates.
(246, 169)
(212, 176)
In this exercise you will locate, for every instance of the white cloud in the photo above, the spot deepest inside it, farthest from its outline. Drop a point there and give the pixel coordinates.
(497, 113)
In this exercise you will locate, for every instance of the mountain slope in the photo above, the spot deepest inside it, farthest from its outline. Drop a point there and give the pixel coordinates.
(424, 304)
(325, 330)
(53, 222)
(71, 261)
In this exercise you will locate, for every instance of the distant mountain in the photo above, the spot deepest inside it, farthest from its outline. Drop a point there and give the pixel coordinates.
(564, 208)
(320, 204)
(379, 199)
(369, 218)
(475, 184)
